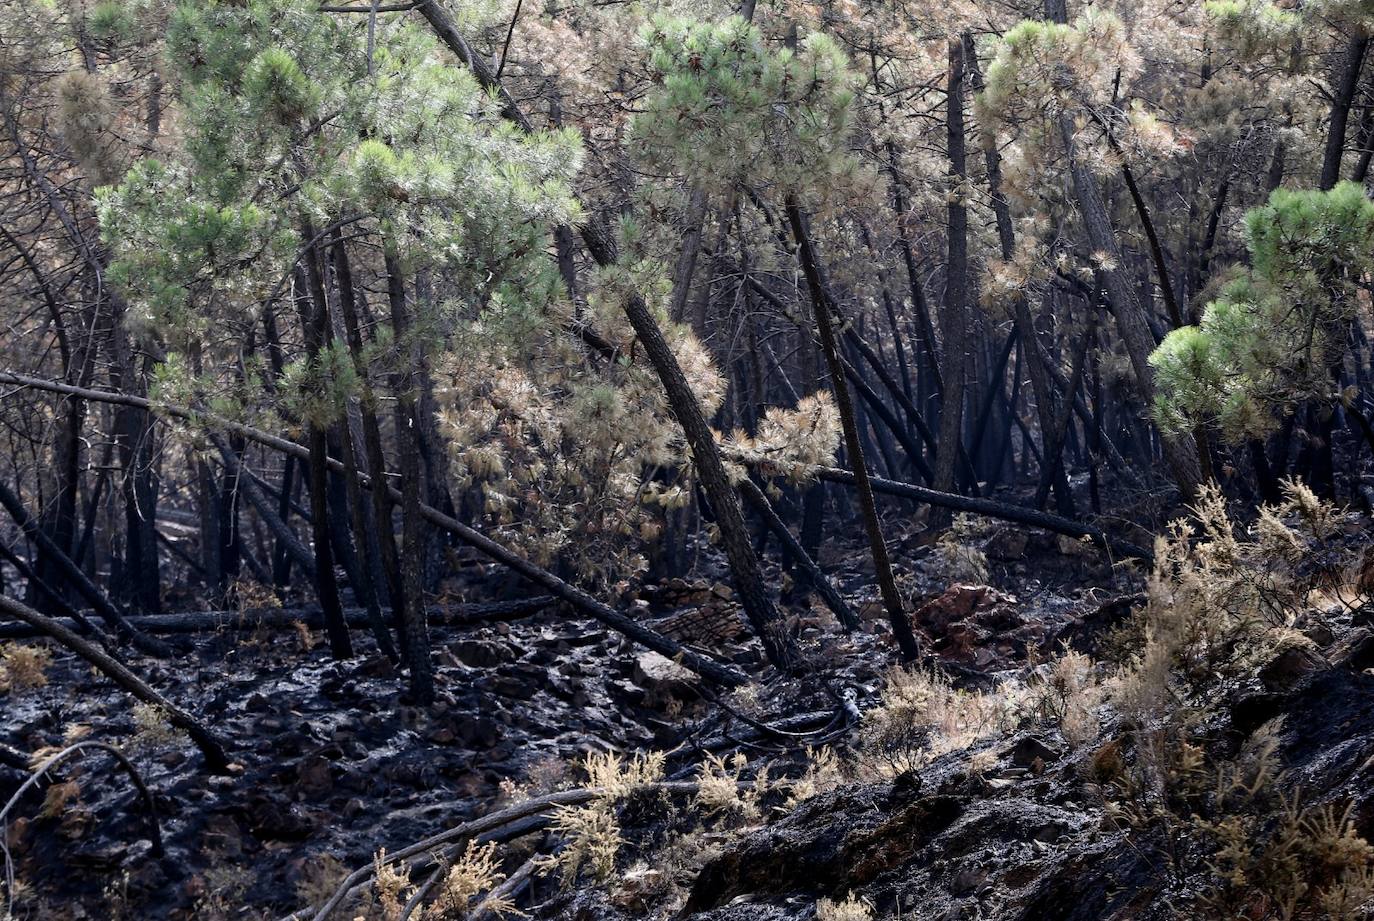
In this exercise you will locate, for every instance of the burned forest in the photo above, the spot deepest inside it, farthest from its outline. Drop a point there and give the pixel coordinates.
(766, 460)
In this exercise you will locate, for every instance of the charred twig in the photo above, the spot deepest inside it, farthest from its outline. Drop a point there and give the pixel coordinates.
(485, 827)
(209, 746)
(149, 806)
(280, 618)
(508, 890)
(422, 891)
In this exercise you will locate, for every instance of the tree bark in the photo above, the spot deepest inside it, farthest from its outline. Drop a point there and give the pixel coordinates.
(954, 317)
(418, 656)
(820, 302)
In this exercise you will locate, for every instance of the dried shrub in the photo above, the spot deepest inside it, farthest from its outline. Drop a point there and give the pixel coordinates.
(390, 886)
(959, 558)
(1222, 601)
(152, 728)
(1068, 692)
(851, 909)
(824, 772)
(23, 667)
(921, 716)
(591, 841)
(478, 871)
(722, 791)
(320, 879)
(591, 833)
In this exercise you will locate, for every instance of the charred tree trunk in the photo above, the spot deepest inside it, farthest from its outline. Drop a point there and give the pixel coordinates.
(365, 588)
(1352, 63)
(820, 302)
(417, 651)
(954, 318)
(316, 325)
(135, 436)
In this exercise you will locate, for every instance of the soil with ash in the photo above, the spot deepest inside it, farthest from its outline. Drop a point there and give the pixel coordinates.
(1027, 836)
(337, 765)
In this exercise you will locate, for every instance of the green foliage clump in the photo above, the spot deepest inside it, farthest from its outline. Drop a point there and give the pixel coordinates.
(290, 124)
(1269, 341)
(1254, 27)
(275, 85)
(184, 259)
(1046, 66)
(729, 108)
(111, 21)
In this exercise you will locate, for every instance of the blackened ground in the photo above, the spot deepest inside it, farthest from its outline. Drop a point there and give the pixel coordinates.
(336, 764)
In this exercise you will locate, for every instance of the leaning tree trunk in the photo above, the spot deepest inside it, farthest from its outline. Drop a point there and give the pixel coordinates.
(1180, 453)
(73, 576)
(208, 744)
(715, 483)
(820, 302)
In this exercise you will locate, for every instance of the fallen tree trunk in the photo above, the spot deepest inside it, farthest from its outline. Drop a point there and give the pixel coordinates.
(80, 622)
(423, 853)
(580, 600)
(990, 508)
(819, 581)
(209, 746)
(707, 668)
(13, 758)
(102, 605)
(280, 618)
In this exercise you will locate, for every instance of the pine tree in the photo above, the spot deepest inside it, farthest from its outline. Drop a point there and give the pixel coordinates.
(294, 129)
(1278, 333)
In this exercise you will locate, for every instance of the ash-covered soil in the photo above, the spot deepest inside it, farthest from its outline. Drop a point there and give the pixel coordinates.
(334, 764)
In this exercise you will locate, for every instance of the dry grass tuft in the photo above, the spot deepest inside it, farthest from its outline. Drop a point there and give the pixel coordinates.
(23, 667)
